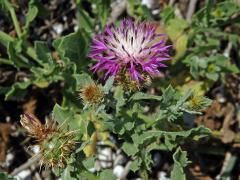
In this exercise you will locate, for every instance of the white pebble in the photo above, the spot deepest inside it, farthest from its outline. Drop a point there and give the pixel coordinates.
(149, 3)
(58, 28)
(24, 175)
(92, 170)
(36, 149)
(162, 176)
(104, 156)
(155, 11)
(75, 28)
(118, 171)
(8, 118)
(64, 18)
(9, 159)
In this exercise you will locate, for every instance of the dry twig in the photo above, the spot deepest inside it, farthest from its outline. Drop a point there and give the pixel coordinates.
(26, 165)
(191, 9)
(117, 10)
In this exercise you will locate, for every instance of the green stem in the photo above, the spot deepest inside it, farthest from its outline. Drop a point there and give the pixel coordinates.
(15, 21)
(64, 101)
(5, 38)
(32, 53)
(144, 174)
(218, 134)
(5, 61)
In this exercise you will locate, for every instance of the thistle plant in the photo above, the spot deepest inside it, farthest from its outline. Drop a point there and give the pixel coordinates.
(56, 145)
(133, 49)
(128, 57)
(97, 75)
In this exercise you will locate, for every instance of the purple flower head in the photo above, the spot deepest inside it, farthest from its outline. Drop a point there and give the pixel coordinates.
(132, 46)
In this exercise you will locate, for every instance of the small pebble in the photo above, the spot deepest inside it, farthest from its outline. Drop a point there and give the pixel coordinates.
(9, 159)
(155, 11)
(58, 28)
(162, 176)
(221, 98)
(36, 149)
(8, 119)
(24, 175)
(64, 18)
(118, 171)
(92, 170)
(151, 4)
(75, 28)
(104, 156)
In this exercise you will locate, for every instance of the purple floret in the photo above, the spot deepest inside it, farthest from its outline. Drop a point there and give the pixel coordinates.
(134, 46)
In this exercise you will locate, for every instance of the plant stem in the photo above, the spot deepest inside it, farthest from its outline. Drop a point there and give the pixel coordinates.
(144, 174)
(5, 61)
(15, 21)
(217, 134)
(32, 53)
(27, 164)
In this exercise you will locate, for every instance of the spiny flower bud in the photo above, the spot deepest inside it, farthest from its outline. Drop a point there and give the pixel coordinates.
(56, 145)
(91, 94)
(198, 102)
(57, 148)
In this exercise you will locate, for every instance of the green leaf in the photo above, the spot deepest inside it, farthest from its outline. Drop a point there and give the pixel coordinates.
(129, 126)
(129, 148)
(208, 11)
(5, 38)
(175, 29)
(210, 67)
(108, 85)
(212, 76)
(167, 14)
(83, 80)
(72, 48)
(57, 171)
(43, 52)
(30, 16)
(119, 97)
(6, 5)
(89, 162)
(180, 161)
(9, 7)
(194, 133)
(85, 175)
(136, 164)
(144, 96)
(147, 14)
(184, 98)
(103, 9)
(181, 46)
(66, 175)
(107, 174)
(17, 91)
(85, 21)
(67, 118)
(62, 115)
(14, 49)
(4, 176)
(168, 94)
